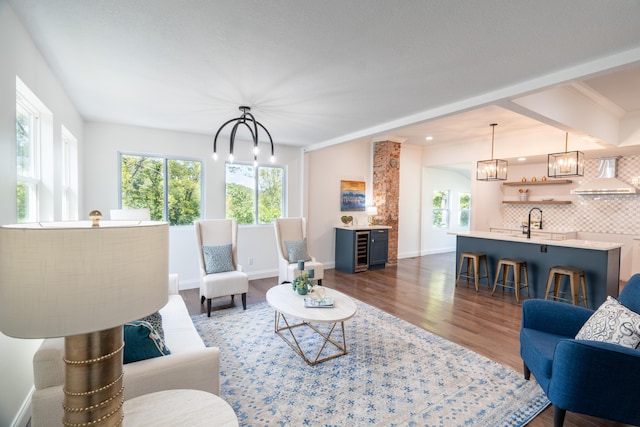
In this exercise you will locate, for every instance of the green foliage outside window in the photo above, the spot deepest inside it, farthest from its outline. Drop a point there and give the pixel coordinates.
(143, 186)
(254, 194)
(440, 208)
(464, 203)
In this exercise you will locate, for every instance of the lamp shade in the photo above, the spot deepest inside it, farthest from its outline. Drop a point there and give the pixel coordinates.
(372, 210)
(67, 278)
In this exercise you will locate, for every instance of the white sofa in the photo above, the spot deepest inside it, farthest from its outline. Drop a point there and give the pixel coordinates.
(190, 365)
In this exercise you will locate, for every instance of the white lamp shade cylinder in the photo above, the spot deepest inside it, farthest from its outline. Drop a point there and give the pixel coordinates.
(68, 278)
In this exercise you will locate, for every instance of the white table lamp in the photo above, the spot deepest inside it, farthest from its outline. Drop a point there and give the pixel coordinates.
(372, 211)
(83, 282)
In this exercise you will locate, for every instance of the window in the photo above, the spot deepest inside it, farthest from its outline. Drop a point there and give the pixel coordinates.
(27, 139)
(170, 188)
(34, 157)
(441, 208)
(69, 176)
(464, 205)
(254, 194)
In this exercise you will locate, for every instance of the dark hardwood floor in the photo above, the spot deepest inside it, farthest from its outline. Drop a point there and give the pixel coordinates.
(422, 291)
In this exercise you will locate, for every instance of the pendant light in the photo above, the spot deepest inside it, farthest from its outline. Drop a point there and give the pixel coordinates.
(246, 119)
(569, 163)
(494, 169)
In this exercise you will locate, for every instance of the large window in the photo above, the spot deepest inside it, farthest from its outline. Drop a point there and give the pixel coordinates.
(464, 206)
(254, 194)
(27, 157)
(170, 188)
(441, 209)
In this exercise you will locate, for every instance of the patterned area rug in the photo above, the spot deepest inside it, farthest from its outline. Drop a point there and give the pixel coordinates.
(395, 374)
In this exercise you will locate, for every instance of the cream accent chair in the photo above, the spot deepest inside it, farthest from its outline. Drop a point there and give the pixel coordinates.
(292, 229)
(216, 232)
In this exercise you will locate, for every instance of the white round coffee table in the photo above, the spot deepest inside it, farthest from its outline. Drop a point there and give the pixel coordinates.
(194, 408)
(289, 304)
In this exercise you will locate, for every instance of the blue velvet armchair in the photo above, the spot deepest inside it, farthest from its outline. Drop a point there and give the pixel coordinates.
(589, 377)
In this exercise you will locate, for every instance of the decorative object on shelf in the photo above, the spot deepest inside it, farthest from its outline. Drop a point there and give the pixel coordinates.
(524, 194)
(524, 179)
(346, 219)
(534, 179)
(569, 163)
(246, 119)
(105, 275)
(352, 197)
(494, 169)
(302, 284)
(544, 178)
(372, 211)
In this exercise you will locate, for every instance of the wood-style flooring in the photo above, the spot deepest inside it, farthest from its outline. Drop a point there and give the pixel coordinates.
(422, 291)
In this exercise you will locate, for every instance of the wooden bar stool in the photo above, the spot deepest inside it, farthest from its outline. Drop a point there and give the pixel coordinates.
(520, 272)
(473, 261)
(575, 275)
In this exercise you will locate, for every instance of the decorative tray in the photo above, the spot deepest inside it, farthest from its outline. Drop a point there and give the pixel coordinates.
(314, 303)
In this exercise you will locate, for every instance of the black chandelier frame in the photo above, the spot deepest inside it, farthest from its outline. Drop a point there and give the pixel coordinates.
(247, 119)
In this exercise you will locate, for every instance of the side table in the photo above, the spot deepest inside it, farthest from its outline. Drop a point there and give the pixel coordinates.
(170, 408)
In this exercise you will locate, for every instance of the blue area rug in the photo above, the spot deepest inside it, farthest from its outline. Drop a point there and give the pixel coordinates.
(395, 374)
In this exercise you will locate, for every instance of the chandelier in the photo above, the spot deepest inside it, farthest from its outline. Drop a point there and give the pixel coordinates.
(494, 169)
(569, 163)
(246, 119)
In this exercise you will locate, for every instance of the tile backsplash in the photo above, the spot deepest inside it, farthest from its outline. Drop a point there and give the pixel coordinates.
(610, 213)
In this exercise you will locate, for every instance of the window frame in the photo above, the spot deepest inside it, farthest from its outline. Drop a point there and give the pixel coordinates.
(445, 211)
(165, 180)
(256, 189)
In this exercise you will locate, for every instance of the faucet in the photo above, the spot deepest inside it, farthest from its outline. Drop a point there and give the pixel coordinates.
(529, 223)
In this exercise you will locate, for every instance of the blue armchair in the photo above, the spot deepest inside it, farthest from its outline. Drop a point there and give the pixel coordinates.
(588, 377)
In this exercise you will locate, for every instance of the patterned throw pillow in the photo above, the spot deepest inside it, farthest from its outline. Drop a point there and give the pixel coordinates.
(218, 259)
(156, 321)
(142, 342)
(297, 250)
(613, 323)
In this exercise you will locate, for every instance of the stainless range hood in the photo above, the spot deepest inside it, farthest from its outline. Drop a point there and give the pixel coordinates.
(606, 181)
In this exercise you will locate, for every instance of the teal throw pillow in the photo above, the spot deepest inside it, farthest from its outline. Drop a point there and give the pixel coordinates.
(142, 342)
(297, 250)
(218, 259)
(156, 321)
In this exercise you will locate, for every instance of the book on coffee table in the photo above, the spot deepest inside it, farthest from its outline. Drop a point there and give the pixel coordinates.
(314, 303)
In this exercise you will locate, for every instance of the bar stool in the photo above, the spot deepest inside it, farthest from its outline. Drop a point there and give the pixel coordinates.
(556, 274)
(519, 267)
(473, 260)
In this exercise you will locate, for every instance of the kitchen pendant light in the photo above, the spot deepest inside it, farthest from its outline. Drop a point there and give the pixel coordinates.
(569, 163)
(494, 169)
(252, 124)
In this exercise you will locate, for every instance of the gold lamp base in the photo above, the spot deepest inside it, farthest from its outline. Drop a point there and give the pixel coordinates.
(93, 389)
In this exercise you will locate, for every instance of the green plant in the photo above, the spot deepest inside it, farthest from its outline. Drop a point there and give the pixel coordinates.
(300, 282)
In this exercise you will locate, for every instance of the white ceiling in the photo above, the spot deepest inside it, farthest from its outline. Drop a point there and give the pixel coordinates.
(317, 73)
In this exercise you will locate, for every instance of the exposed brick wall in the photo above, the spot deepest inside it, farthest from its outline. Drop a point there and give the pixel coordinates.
(386, 190)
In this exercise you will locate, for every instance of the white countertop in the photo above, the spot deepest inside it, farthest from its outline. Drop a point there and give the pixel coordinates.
(364, 227)
(568, 243)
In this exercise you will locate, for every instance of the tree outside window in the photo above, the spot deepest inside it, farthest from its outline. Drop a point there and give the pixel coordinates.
(170, 188)
(254, 194)
(441, 209)
(464, 204)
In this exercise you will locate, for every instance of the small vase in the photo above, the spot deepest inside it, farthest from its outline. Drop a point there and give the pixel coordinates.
(303, 289)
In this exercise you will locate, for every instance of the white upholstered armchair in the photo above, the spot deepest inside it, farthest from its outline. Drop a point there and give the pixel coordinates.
(291, 240)
(220, 274)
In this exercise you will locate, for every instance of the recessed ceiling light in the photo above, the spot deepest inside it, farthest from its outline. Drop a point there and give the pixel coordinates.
(522, 159)
(429, 138)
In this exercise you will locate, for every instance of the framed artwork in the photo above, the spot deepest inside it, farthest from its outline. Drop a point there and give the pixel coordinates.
(352, 197)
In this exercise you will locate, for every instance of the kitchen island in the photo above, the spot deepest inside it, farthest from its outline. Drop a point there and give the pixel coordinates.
(599, 260)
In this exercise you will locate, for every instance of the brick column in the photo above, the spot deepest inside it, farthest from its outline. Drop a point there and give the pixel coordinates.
(386, 190)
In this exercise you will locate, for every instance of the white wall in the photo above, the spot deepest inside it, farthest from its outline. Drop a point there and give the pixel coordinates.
(438, 240)
(353, 161)
(21, 58)
(256, 242)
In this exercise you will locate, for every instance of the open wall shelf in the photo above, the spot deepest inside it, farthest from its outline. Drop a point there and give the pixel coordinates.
(548, 182)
